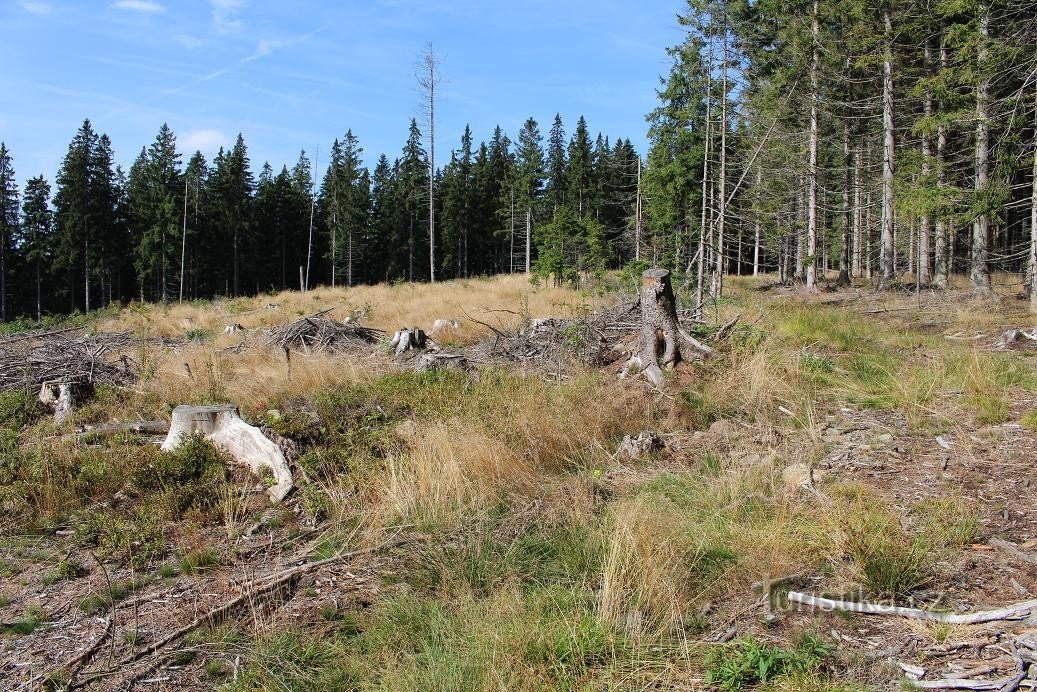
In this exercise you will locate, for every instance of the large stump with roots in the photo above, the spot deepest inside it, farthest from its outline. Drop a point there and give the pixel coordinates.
(226, 429)
(661, 335)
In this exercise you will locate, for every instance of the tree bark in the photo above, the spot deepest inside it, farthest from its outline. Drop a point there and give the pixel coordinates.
(888, 250)
(844, 251)
(811, 249)
(1033, 215)
(925, 221)
(661, 334)
(980, 264)
(756, 227)
(721, 260)
(943, 251)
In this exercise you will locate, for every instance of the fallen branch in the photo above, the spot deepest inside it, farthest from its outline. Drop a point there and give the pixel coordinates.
(268, 585)
(1014, 612)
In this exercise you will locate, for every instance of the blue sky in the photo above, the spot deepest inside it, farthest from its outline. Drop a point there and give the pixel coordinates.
(292, 75)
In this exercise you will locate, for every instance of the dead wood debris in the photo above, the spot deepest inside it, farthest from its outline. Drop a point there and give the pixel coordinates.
(318, 332)
(557, 341)
(30, 359)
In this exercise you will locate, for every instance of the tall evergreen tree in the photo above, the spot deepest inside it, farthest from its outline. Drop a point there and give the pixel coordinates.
(8, 223)
(35, 239)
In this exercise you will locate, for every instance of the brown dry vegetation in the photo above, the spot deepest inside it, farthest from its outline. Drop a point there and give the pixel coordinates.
(527, 555)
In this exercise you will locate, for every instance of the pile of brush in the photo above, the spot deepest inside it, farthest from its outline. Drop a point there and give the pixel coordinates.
(557, 341)
(318, 332)
(29, 359)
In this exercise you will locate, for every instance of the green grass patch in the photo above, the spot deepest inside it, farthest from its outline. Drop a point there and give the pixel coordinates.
(748, 662)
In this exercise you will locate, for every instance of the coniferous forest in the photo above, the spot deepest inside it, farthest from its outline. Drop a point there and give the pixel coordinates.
(879, 141)
(170, 229)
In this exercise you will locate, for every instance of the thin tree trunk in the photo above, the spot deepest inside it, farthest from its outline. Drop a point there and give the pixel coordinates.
(844, 251)
(313, 206)
(529, 234)
(925, 222)
(980, 264)
(888, 250)
(1033, 215)
(756, 228)
(718, 288)
(86, 273)
(183, 243)
(637, 214)
(858, 214)
(811, 249)
(700, 279)
(944, 252)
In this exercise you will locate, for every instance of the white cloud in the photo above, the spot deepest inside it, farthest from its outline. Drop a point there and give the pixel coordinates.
(36, 6)
(188, 41)
(205, 140)
(224, 15)
(143, 6)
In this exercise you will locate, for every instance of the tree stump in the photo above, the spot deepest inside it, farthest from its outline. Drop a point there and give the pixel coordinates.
(440, 361)
(408, 339)
(223, 425)
(63, 396)
(661, 335)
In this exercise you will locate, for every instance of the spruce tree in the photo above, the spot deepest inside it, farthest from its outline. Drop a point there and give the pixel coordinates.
(8, 223)
(35, 237)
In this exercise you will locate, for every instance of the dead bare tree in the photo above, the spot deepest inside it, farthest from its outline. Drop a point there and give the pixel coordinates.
(429, 80)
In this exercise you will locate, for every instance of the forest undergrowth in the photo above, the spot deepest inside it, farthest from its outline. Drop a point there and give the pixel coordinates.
(492, 538)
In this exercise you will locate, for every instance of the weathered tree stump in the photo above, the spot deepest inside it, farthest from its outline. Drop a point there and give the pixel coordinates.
(440, 361)
(223, 425)
(63, 396)
(659, 345)
(409, 339)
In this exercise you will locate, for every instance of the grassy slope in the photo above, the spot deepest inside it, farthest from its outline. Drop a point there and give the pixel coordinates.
(534, 558)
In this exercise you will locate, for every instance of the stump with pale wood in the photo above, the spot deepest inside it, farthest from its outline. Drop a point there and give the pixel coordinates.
(223, 425)
(659, 345)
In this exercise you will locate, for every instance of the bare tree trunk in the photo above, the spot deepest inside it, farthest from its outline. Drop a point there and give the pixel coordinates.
(756, 228)
(925, 222)
(700, 280)
(944, 252)
(980, 264)
(721, 261)
(844, 251)
(800, 231)
(86, 274)
(637, 214)
(183, 243)
(858, 214)
(428, 80)
(867, 236)
(529, 234)
(888, 250)
(313, 206)
(1033, 215)
(811, 250)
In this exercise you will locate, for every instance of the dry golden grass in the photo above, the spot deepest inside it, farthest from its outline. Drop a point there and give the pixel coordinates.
(451, 469)
(503, 300)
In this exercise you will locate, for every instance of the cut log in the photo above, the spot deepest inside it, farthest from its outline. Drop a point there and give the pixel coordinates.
(440, 361)
(223, 425)
(408, 339)
(659, 345)
(63, 396)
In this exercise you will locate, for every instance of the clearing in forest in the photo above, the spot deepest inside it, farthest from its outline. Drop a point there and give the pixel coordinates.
(488, 526)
